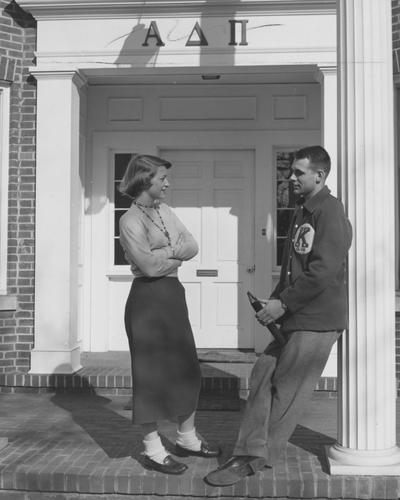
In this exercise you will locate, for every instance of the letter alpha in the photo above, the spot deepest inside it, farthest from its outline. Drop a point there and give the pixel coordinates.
(153, 32)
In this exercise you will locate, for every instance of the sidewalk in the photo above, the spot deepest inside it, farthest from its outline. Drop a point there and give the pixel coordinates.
(65, 446)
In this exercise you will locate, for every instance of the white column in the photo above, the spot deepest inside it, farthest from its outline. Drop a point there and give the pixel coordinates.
(327, 77)
(367, 414)
(57, 223)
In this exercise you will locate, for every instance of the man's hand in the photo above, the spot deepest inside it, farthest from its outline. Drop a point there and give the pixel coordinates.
(271, 312)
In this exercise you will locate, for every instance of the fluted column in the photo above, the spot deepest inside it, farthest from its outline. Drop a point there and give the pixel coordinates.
(327, 77)
(367, 413)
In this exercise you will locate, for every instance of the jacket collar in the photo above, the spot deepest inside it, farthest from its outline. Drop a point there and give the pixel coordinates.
(311, 204)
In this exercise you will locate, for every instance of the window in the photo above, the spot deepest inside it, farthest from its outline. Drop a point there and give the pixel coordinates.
(4, 166)
(285, 199)
(121, 204)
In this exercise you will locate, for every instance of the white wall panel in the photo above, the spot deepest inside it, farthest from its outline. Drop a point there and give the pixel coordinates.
(290, 107)
(125, 109)
(208, 108)
(228, 170)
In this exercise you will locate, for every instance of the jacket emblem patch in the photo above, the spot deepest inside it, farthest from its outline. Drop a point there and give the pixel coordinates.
(303, 239)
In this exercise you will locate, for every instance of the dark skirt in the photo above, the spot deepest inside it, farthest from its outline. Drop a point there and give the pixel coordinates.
(165, 370)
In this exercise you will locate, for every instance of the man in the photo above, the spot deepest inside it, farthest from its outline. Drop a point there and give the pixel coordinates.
(310, 303)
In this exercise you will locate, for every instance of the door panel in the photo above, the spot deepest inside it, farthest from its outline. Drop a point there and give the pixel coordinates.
(212, 193)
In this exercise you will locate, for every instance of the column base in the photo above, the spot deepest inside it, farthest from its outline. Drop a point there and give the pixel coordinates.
(64, 362)
(348, 461)
(3, 442)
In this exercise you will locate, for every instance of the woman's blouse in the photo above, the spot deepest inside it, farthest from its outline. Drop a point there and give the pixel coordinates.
(146, 246)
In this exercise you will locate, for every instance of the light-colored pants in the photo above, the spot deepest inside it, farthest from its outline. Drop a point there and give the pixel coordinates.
(282, 382)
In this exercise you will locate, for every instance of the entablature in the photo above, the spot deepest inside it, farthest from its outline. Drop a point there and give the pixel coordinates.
(55, 9)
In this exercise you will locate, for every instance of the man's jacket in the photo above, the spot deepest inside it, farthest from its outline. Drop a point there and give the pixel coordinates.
(312, 283)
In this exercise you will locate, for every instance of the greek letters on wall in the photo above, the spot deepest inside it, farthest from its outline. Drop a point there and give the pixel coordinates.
(197, 37)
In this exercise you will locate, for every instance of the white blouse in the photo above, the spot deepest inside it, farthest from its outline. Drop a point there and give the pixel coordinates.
(146, 246)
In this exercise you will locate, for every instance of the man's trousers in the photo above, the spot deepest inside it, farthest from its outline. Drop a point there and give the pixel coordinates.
(281, 384)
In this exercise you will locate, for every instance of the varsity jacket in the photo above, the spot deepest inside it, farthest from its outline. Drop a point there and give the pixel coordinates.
(312, 282)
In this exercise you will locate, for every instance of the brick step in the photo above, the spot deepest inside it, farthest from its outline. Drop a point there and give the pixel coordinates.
(115, 381)
(80, 446)
(225, 376)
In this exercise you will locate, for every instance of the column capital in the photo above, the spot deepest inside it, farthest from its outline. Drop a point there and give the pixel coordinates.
(74, 75)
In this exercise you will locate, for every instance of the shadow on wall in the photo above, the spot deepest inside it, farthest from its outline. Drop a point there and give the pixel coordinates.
(146, 40)
(133, 46)
(20, 16)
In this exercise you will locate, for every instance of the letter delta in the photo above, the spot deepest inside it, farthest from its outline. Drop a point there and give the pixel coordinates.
(197, 37)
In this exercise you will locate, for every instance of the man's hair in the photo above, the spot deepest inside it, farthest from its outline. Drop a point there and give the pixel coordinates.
(139, 173)
(317, 155)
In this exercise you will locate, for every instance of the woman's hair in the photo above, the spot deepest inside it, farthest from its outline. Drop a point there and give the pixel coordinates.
(139, 172)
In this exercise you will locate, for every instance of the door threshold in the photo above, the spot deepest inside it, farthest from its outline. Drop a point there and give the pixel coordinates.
(221, 355)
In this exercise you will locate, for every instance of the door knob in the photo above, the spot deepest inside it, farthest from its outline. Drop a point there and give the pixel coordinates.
(251, 269)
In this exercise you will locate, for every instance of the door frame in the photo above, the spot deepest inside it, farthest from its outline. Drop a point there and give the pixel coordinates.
(105, 143)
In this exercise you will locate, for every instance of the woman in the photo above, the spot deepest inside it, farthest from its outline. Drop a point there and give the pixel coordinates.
(165, 369)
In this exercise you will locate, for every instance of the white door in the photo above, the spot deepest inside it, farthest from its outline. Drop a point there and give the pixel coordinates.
(212, 192)
(222, 187)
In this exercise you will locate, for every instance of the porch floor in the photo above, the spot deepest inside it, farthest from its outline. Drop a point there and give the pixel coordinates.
(69, 445)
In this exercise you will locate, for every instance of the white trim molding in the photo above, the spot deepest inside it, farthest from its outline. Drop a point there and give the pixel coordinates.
(4, 167)
(54, 9)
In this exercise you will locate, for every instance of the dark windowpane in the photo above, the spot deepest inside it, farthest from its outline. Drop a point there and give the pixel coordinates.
(280, 243)
(285, 196)
(121, 162)
(119, 259)
(284, 161)
(283, 221)
(121, 200)
(117, 216)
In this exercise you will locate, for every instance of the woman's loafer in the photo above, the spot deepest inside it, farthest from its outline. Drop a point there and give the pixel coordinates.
(206, 450)
(169, 465)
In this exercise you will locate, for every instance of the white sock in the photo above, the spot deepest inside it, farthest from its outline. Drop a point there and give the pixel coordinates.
(189, 440)
(154, 449)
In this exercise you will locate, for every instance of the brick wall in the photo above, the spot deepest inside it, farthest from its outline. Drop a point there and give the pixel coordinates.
(396, 35)
(17, 45)
(398, 352)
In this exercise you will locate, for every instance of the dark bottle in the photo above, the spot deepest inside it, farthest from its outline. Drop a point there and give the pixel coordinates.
(255, 303)
(257, 306)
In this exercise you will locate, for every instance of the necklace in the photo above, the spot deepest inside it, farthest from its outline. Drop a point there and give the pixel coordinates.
(163, 229)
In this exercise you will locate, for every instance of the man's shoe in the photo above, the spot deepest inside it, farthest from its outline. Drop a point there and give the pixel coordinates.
(232, 471)
(169, 465)
(206, 450)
